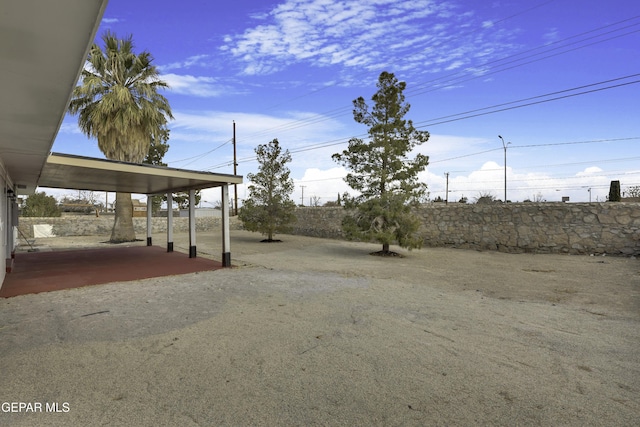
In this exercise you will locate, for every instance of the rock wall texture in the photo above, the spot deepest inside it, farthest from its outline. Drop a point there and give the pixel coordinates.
(88, 225)
(573, 228)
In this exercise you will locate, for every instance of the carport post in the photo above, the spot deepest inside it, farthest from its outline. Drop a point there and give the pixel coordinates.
(149, 212)
(192, 223)
(169, 222)
(226, 241)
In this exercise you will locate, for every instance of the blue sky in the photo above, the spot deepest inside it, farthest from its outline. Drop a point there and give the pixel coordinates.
(290, 70)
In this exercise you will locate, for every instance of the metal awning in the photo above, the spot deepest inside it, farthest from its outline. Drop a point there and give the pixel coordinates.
(87, 173)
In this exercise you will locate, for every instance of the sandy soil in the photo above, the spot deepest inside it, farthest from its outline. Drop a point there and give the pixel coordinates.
(317, 332)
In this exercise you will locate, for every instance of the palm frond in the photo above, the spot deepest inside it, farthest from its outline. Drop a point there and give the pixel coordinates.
(117, 100)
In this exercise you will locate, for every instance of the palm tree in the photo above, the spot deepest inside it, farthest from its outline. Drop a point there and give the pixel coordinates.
(118, 103)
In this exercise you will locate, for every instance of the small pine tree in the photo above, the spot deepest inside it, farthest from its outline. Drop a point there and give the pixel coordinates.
(269, 208)
(182, 199)
(614, 191)
(40, 205)
(382, 172)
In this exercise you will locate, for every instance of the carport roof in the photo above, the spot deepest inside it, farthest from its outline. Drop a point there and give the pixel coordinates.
(86, 173)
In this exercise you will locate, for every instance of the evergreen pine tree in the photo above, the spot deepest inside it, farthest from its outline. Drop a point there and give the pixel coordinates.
(269, 208)
(382, 172)
(614, 191)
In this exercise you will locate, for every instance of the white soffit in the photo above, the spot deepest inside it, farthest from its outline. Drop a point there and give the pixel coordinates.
(43, 47)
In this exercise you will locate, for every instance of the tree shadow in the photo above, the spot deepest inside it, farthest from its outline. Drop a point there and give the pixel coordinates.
(387, 254)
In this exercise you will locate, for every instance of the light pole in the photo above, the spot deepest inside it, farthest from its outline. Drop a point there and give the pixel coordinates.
(505, 166)
(446, 196)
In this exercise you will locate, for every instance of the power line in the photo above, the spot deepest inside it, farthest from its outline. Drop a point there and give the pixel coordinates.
(561, 179)
(199, 156)
(528, 104)
(551, 144)
(536, 145)
(482, 112)
(493, 109)
(419, 88)
(482, 74)
(431, 162)
(463, 156)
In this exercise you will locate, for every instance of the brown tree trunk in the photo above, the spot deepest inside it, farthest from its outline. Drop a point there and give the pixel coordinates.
(385, 247)
(123, 225)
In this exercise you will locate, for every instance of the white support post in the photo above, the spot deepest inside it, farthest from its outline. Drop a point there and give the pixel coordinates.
(226, 241)
(169, 222)
(14, 227)
(149, 221)
(192, 223)
(11, 220)
(9, 224)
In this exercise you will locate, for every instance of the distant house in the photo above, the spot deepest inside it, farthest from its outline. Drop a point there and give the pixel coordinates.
(202, 213)
(139, 209)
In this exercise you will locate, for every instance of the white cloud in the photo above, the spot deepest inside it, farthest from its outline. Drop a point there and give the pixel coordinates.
(326, 183)
(454, 65)
(590, 171)
(323, 178)
(323, 184)
(552, 35)
(206, 87)
(255, 125)
(196, 60)
(521, 184)
(70, 128)
(360, 35)
(110, 20)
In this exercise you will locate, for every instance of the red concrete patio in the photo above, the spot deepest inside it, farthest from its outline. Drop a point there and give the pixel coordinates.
(35, 272)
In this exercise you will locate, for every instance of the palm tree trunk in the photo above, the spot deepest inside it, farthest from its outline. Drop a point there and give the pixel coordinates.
(123, 225)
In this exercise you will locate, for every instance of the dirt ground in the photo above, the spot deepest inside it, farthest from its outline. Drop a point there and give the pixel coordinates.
(317, 332)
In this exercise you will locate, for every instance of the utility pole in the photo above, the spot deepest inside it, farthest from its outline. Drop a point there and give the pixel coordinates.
(235, 170)
(446, 198)
(505, 167)
(302, 198)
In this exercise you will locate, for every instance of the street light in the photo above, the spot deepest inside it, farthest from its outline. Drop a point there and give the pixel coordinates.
(505, 166)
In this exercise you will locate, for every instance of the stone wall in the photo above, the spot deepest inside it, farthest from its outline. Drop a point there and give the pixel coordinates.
(88, 225)
(575, 228)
